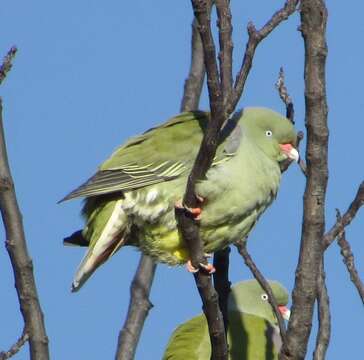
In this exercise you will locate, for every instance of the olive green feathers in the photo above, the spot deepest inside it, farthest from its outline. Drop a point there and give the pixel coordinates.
(131, 198)
(253, 333)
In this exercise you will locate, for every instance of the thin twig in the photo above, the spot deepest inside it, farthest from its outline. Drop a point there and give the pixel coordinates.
(283, 94)
(4, 355)
(346, 219)
(349, 258)
(313, 28)
(17, 248)
(323, 304)
(287, 100)
(7, 63)
(139, 307)
(221, 281)
(241, 246)
(255, 37)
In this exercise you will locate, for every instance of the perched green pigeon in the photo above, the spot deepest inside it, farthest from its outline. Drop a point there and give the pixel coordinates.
(131, 199)
(253, 333)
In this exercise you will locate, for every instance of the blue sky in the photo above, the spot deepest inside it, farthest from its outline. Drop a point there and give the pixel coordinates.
(90, 74)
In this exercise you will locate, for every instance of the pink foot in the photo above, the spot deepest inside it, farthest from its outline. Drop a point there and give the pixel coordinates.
(195, 212)
(208, 267)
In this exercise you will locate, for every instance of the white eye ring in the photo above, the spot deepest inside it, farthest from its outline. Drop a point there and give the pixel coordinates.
(268, 133)
(264, 297)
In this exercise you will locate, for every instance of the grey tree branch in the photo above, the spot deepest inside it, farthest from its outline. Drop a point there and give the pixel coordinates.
(346, 219)
(17, 248)
(313, 28)
(7, 63)
(349, 258)
(194, 81)
(4, 355)
(139, 307)
(241, 246)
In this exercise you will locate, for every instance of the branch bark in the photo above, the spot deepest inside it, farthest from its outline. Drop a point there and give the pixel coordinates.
(313, 27)
(16, 246)
(139, 307)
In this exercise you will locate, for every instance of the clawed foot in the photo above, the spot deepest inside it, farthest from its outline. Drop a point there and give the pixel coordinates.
(209, 268)
(195, 212)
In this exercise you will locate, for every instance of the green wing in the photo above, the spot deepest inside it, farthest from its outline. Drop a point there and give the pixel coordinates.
(161, 154)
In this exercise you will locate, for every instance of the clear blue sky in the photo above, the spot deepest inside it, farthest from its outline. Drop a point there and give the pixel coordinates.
(88, 75)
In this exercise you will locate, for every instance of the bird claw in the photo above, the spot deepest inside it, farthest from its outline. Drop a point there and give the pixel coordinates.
(209, 268)
(195, 212)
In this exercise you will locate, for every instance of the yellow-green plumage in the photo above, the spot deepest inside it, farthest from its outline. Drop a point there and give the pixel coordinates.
(131, 199)
(252, 332)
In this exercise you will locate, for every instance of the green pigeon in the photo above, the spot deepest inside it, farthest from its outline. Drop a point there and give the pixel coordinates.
(132, 197)
(253, 332)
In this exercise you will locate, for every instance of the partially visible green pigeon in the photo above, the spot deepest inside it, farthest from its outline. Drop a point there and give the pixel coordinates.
(132, 197)
(253, 333)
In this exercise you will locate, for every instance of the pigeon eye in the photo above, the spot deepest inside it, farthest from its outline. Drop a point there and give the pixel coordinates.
(268, 133)
(264, 297)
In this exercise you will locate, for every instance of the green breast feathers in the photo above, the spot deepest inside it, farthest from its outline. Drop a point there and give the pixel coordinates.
(131, 198)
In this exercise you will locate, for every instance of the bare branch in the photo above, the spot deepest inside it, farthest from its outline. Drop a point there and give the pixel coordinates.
(344, 221)
(226, 47)
(221, 281)
(4, 355)
(255, 37)
(323, 303)
(313, 28)
(283, 94)
(139, 307)
(7, 63)
(194, 82)
(241, 246)
(17, 248)
(287, 100)
(349, 258)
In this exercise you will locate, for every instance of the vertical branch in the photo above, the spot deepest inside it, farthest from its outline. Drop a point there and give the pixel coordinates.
(226, 47)
(221, 281)
(313, 27)
(17, 248)
(139, 307)
(194, 82)
(323, 303)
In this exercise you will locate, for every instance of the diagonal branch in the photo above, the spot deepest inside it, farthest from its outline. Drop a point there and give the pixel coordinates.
(139, 307)
(17, 248)
(255, 37)
(349, 258)
(4, 355)
(241, 246)
(346, 219)
(7, 63)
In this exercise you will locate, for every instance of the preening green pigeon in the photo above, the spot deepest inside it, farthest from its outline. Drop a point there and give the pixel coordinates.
(131, 199)
(253, 333)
